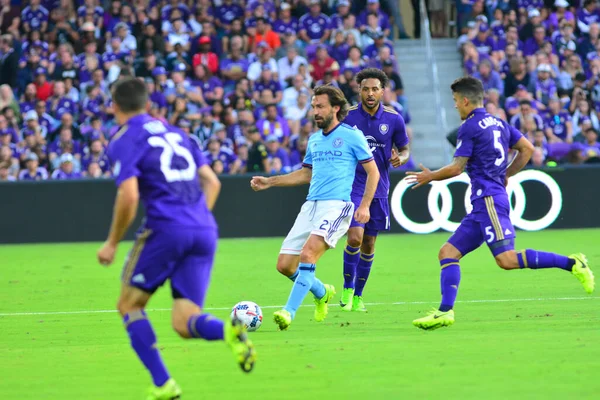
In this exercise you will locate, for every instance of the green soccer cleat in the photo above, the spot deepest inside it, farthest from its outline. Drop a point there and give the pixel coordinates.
(346, 300)
(358, 304)
(283, 319)
(321, 304)
(582, 271)
(169, 391)
(435, 319)
(242, 347)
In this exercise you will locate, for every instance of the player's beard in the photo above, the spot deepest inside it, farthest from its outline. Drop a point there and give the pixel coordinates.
(325, 123)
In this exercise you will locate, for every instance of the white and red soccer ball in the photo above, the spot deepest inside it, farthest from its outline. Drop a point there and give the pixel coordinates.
(249, 313)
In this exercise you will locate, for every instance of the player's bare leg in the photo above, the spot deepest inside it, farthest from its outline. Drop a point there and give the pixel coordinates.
(449, 257)
(131, 304)
(287, 265)
(351, 259)
(312, 251)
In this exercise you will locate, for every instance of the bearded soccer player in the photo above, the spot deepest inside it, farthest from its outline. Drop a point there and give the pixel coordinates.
(329, 166)
(482, 149)
(159, 164)
(383, 128)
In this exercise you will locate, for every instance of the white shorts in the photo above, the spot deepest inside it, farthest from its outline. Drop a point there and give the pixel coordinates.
(327, 218)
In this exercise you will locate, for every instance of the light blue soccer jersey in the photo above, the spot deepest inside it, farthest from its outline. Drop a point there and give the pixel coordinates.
(333, 159)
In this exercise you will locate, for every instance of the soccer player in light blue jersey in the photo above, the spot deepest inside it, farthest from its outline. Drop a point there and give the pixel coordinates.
(329, 166)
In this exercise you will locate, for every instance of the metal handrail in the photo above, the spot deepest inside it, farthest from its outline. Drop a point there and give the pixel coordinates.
(441, 111)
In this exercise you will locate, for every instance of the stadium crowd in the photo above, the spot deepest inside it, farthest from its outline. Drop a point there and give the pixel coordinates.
(540, 65)
(235, 75)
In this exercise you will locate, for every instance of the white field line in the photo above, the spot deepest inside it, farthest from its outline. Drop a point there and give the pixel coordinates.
(398, 303)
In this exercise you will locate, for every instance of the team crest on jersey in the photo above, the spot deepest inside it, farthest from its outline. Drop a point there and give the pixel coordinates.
(384, 128)
(338, 142)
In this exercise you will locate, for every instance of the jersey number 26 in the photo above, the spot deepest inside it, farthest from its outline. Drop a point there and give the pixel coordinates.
(171, 147)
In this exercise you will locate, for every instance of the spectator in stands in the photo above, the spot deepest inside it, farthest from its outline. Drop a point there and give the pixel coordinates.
(273, 124)
(526, 114)
(10, 18)
(8, 62)
(559, 126)
(257, 153)
(5, 175)
(288, 66)
(264, 58)
(490, 78)
(586, 16)
(66, 170)
(32, 171)
(518, 76)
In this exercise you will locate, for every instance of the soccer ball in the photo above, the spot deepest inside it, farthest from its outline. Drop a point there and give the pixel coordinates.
(249, 313)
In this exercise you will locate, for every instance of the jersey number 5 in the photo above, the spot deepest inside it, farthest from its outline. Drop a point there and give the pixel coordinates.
(498, 146)
(171, 147)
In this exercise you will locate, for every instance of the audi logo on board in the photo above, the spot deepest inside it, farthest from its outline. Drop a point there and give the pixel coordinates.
(440, 217)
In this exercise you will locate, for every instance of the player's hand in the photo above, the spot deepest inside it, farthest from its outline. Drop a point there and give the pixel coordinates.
(259, 183)
(396, 160)
(362, 214)
(420, 178)
(106, 254)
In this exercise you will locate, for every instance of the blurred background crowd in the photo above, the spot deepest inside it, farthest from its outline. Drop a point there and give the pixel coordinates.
(236, 75)
(539, 61)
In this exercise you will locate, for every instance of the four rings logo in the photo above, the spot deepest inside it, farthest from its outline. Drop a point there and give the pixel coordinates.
(441, 217)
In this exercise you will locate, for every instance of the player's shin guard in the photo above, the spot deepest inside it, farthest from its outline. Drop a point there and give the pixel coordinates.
(317, 288)
(538, 259)
(302, 285)
(143, 341)
(205, 326)
(362, 272)
(449, 281)
(351, 259)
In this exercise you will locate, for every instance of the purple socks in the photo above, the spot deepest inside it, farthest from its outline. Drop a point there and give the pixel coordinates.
(539, 259)
(143, 341)
(362, 272)
(449, 281)
(351, 258)
(205, 326)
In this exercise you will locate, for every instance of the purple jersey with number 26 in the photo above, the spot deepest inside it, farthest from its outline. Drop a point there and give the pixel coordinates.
(178, 239)
(166, 163)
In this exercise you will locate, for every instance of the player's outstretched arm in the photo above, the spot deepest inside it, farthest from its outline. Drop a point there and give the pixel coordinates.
(362, 214)
(211, 185)
(455, 168)
(126, 205)
(525, 149)
(296, 178)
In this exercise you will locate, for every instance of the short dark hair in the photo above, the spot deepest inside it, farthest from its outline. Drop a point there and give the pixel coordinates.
(470, 88)
(336, 98)
(130, 94)
(372, 73)
(525, 102)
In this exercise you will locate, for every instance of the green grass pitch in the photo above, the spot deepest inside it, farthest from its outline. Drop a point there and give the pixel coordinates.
(518, 335)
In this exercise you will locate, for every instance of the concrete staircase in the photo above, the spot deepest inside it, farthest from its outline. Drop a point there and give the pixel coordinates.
(433, 114)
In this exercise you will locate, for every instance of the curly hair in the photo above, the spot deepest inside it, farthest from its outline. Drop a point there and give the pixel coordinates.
(373, 73)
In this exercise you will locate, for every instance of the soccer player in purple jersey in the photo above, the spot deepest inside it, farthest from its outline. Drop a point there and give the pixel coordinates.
(482, 149)
(383, 128)
(160, 165)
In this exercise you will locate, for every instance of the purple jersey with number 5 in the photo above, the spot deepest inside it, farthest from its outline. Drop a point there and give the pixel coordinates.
(486, 140)
(166, 163)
